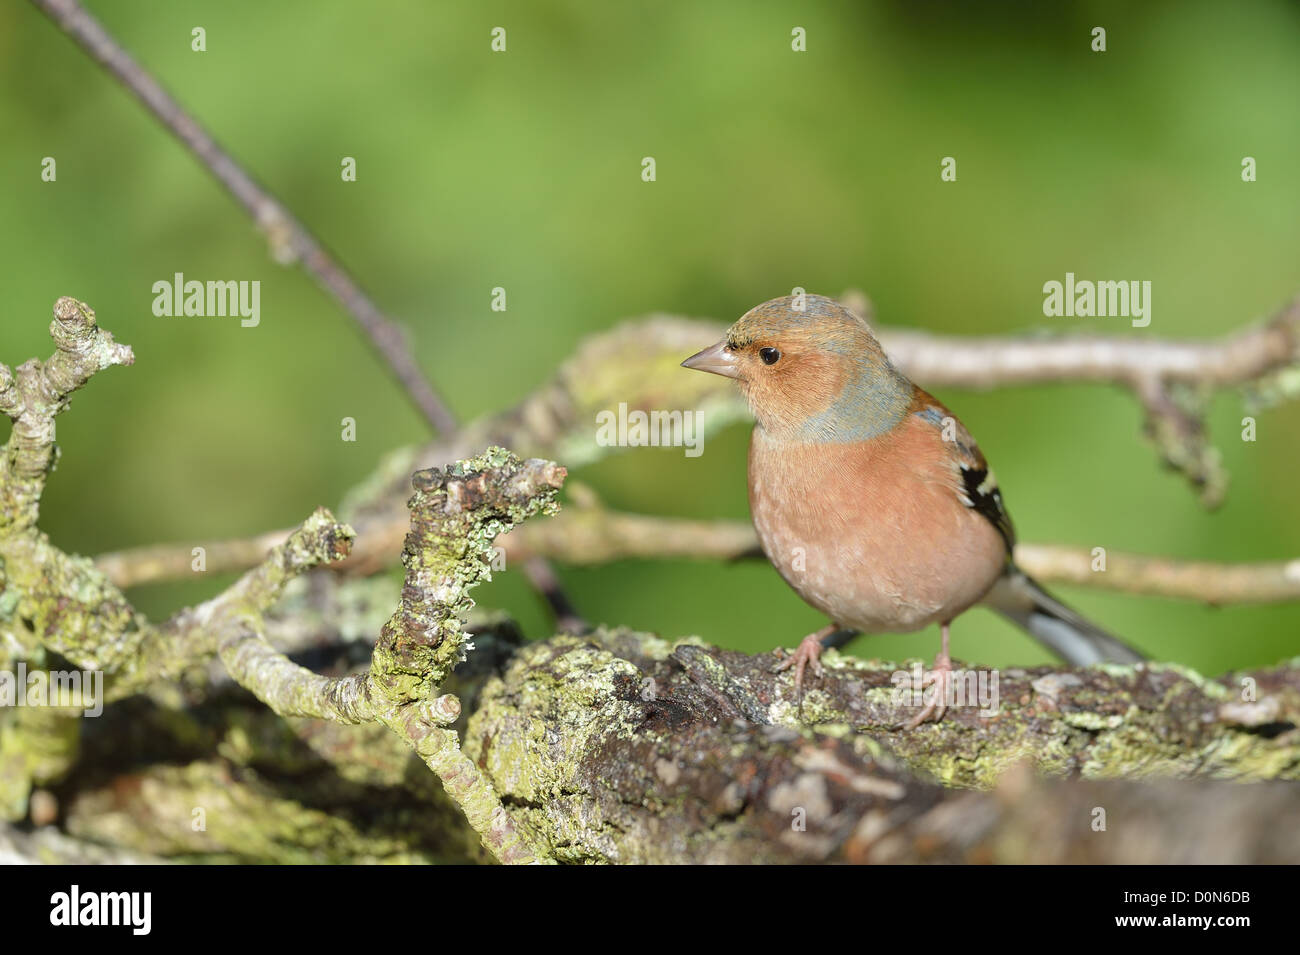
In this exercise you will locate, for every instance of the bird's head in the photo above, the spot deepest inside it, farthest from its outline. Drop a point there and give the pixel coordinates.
(809, 373)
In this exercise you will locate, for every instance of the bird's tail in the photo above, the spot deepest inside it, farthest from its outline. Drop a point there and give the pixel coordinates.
(1019, 598)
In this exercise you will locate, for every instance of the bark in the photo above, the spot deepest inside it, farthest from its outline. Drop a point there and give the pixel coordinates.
(622, 747)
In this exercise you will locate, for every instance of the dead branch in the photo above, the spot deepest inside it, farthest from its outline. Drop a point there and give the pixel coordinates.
(590, 534)
(290, 241)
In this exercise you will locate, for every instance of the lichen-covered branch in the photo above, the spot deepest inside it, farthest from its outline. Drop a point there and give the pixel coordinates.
(683, 753)
(38, 391)
(625, 747)
(53, 601)
(287, 688)
(1173, 380)
(456, 515)
(1203, 581)
(680, 752)
(49, 846)
(44, 591)
(60, 602)
(1238, 358)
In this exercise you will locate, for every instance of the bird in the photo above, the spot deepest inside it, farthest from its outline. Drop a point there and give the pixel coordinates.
(871, 499)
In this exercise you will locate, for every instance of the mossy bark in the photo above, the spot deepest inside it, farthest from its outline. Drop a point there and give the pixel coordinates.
(623, 747)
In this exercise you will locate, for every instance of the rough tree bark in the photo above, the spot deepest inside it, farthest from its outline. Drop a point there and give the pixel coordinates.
(622, 747)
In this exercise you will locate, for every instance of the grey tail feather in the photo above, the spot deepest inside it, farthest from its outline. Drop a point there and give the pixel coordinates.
(1020, 599)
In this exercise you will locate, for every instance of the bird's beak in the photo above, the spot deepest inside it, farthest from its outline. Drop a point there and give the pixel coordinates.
(715, 359)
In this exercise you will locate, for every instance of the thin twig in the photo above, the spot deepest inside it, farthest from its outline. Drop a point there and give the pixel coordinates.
(998, 361)
(289, 239)
(586, 535)
(1171, 379)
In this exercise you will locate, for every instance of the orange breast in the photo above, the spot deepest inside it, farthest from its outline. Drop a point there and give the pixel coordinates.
(873, 534)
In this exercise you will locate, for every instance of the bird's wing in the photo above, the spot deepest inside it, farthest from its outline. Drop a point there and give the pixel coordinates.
(979, 488)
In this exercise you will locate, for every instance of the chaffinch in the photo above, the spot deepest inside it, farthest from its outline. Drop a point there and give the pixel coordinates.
(870, 498)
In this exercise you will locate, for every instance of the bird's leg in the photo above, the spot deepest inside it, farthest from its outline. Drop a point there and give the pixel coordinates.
(939, 678)
(807, 654)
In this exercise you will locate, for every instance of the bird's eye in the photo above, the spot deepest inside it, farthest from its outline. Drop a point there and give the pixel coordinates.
(770, 356)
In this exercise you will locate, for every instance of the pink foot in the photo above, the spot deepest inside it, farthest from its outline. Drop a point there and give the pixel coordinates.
(939, 679)
(806, 655)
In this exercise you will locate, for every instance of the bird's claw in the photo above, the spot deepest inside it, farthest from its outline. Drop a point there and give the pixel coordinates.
(940, 679)
(806, 656)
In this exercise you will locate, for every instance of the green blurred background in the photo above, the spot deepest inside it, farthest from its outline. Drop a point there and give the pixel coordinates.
(775, 169)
